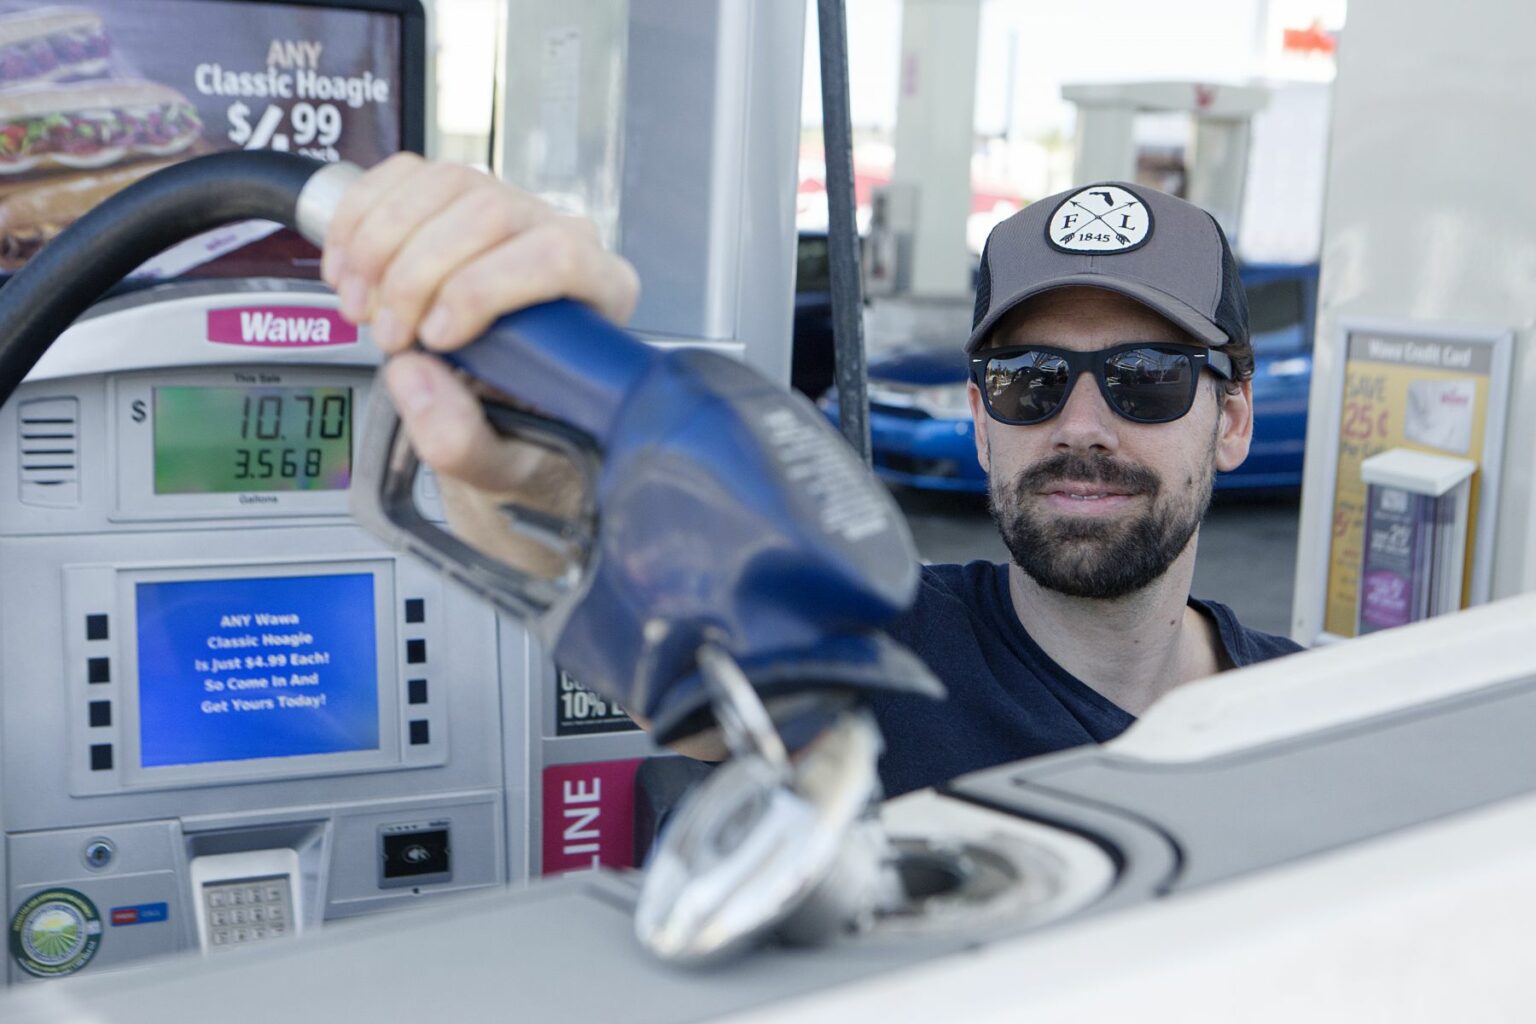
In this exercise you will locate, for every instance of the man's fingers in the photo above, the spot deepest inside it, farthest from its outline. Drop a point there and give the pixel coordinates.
(412, 202)
(436, 251)
(469, 226)
(442, 418)
(448, 430)
(557, 258)
(355, 205)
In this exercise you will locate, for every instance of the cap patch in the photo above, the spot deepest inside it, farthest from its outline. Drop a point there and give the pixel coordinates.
(1100, 219)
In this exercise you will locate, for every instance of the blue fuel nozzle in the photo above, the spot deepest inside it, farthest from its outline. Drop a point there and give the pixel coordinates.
(713, 505)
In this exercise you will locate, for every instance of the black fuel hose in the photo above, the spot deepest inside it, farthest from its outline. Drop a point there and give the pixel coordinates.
(109, 242)
(850, 371)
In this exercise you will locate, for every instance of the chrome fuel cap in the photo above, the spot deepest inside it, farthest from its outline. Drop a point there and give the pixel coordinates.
(760, 837)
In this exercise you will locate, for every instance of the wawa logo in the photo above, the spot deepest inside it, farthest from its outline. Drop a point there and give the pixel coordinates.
(279, 327)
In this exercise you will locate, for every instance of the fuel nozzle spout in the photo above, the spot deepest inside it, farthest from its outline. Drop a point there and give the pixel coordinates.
(781, 840)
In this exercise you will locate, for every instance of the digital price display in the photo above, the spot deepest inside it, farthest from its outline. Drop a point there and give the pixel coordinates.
(222, 440)
(234, 669)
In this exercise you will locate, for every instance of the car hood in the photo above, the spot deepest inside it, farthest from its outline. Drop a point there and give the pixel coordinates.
(923, 366)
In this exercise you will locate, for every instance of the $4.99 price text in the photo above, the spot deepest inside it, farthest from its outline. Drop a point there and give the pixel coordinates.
(312, 128)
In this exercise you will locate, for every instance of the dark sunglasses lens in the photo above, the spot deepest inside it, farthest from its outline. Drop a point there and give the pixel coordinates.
(1151, 385)
(1026, 387)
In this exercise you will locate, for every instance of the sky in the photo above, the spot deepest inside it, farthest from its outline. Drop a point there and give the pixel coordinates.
(1052, 43)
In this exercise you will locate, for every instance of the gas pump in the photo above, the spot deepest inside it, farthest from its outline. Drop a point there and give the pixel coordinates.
(229, 715)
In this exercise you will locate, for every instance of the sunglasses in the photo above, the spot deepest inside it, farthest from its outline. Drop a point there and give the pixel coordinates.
(1145, 382)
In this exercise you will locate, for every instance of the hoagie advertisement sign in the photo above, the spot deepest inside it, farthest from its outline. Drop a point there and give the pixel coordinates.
(98, 94)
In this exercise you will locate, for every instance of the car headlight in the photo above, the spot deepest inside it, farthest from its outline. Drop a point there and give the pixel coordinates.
(940, 401)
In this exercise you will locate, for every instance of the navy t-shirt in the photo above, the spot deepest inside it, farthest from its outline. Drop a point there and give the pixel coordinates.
(1007, 699)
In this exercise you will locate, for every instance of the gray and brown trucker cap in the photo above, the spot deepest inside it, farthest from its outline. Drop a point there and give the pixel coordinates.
(1161, 251)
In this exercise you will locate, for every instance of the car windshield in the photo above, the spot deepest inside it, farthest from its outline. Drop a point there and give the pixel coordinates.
(812, 272)
(1275, 314)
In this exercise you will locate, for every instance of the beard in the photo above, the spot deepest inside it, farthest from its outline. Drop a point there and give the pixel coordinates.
(1095, 557)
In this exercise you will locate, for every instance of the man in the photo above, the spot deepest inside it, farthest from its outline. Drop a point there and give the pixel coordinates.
(1110, 381)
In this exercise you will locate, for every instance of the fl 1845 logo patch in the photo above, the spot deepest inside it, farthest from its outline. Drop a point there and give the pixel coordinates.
(1101, 219)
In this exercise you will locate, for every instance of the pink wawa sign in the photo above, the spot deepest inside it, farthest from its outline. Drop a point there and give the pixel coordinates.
(280, 327)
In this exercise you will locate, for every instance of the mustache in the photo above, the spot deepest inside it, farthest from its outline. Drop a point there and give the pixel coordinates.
(1080, 468)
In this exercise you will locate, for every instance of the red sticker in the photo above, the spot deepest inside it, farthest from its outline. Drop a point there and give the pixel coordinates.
(589, 816)
(280, 327)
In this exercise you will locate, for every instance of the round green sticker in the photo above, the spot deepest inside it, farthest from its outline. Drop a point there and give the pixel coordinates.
(55, 932)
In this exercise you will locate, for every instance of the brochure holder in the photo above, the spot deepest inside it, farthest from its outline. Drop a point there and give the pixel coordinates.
(1416, 517)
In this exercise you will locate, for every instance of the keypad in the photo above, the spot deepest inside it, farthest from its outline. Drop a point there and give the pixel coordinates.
(248, 910)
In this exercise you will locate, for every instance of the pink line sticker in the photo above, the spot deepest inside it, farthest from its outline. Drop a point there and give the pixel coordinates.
(589, 816)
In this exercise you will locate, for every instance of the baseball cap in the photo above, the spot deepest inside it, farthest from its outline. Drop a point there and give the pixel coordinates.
(1163, 252)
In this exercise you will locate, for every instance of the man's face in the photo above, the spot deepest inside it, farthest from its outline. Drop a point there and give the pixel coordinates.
(1091, 504)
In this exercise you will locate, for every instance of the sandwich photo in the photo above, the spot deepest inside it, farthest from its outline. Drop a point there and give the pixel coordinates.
(87, 125)
(51, 44)
(31, 217)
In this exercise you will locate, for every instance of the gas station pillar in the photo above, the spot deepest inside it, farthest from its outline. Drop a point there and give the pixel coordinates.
(1220, 116)
(935, 133)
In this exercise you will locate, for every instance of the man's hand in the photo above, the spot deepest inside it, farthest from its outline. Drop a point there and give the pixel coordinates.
(436, 252)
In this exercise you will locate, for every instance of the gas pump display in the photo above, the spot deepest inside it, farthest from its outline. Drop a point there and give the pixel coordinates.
(252, 439)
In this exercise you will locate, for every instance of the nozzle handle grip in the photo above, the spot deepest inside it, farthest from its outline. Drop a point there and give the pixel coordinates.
(562, 358)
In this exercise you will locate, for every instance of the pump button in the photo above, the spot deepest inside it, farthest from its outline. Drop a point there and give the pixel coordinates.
(415, 610)
(416, 691)
(415, 651)
(98, 670)
(101, 757)
(96, 627)
(421, 732)
(101, 713)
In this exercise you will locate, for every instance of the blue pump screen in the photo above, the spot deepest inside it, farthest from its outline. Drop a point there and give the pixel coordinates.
(236, 669)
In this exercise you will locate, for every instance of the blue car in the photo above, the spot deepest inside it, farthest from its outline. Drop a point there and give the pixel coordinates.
(920, 424)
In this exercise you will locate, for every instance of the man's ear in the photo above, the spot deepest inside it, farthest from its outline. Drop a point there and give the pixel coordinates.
(979, 420)
(1234, 429)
